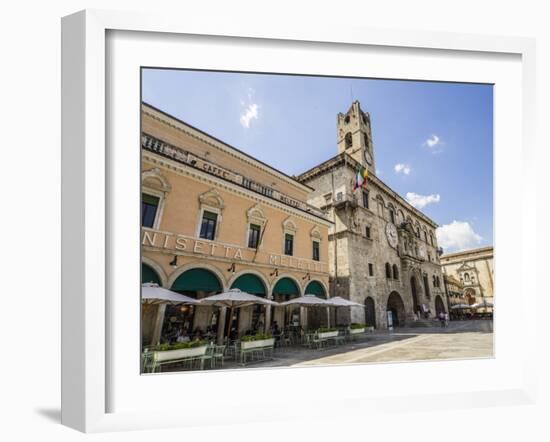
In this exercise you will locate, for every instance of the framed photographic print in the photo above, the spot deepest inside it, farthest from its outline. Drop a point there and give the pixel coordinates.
(265, 213)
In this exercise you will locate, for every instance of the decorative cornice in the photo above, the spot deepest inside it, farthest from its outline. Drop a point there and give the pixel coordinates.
(185, 170)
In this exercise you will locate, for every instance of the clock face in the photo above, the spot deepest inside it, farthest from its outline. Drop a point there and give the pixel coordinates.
(391, 234)
(368, 157)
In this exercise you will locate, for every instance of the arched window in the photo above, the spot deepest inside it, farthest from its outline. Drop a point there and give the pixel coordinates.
(395, 272)
(388, 270)
(434, 281)
(466, 276)
(426, 236)
(349, 141)
(431, 239)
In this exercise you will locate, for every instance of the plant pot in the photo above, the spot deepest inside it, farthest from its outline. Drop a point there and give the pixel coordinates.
(247, 345)
(356, 331)
(181, 353)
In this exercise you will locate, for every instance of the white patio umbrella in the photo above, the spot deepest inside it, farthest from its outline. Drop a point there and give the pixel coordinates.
(338, 301)
(460, 306)
(151, 293)
(235, 298)
(483, 304)
(307, 300)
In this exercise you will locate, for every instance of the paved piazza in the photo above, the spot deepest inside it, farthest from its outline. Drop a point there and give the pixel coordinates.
(460, 340)
(474, 340)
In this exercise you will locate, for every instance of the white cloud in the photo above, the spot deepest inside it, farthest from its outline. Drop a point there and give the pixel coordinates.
(421, 201)
(402, 168)
(458, 235)
(250, 113)
(434, 143)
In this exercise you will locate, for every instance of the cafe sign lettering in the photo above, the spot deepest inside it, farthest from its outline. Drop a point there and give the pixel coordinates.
(181, 243)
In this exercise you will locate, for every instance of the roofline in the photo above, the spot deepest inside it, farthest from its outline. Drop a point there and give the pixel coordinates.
(377, 181)
(467, 251)
(277, 171)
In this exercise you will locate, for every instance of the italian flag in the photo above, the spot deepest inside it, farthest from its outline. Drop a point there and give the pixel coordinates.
(361, 178)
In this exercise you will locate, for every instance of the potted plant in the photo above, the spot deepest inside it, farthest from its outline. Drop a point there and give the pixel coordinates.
(355, 328)
(327, 332)
(257, 341)
(182, 350)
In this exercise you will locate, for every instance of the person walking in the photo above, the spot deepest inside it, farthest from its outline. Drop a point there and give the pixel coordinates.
(442, 319)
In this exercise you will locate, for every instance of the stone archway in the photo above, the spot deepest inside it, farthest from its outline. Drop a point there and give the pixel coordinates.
(396, 306)
(470, 295)
(414, 294)
(439, 305)
(370, 312)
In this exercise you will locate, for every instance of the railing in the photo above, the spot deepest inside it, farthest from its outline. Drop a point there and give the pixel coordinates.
(260, 188)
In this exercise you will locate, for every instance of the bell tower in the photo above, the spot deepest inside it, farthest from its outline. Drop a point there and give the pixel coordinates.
(354, 136)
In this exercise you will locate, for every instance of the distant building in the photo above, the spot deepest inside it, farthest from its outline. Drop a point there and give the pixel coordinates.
(474, 271)
(383, 252)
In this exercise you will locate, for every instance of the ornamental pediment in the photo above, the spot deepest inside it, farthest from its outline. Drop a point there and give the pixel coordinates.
(211, 198)
(465, 267)
(256, 214)
(289, 224)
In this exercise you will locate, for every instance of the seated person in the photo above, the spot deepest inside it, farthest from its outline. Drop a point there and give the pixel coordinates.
(197, 334)
(182, 335)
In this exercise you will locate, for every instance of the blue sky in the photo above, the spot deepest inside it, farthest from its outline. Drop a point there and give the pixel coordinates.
(433, 142)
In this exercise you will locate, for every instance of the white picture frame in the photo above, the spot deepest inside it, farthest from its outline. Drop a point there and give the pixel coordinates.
(88, 315)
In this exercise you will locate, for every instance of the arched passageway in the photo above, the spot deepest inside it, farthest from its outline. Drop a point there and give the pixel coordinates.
(255, 315)
(285, 289)
(148, 274)
(396, 307)
(316, 316)
(370, 313)
(414, 293)
(439, 305)
(196, 283)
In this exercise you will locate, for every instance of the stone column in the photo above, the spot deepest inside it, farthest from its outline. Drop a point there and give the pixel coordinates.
(221, 325)
(159, 321)
(267, 325)
(303, 317)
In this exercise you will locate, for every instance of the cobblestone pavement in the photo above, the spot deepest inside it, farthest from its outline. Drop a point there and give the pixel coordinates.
(460, 340)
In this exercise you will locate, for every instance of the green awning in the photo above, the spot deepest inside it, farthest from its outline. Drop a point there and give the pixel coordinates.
(195, 280)
(249, 283)
(149, 275)
(286, 286)
(315, 288)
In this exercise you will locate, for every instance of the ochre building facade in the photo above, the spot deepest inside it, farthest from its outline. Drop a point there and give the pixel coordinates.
(213, 219)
